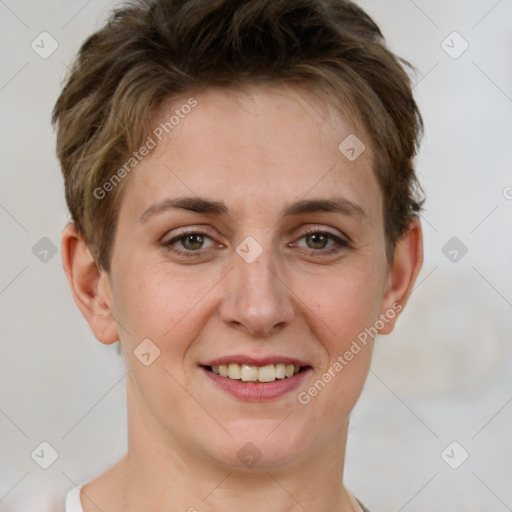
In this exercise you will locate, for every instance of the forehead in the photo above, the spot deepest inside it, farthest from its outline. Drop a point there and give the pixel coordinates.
(256, 148)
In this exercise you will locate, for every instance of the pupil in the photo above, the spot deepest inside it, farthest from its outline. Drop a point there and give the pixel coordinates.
(196, 239)
(318, 238)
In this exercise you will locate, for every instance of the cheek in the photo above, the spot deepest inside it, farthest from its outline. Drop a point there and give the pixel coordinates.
(155, 302)
(342, 303)
(343, 307)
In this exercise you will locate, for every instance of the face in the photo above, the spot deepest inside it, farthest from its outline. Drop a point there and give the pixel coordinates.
(276, 257)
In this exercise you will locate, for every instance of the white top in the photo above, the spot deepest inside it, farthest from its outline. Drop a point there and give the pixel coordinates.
(73, 503)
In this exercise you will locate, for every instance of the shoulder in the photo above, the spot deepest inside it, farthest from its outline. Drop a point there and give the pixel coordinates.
(365, 509)
(104, 491)
(73, 503)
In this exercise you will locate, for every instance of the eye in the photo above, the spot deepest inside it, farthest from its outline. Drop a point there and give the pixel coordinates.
(318, 240)
(191, 242)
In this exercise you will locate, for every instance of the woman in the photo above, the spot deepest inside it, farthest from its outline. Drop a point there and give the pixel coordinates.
(244, 223)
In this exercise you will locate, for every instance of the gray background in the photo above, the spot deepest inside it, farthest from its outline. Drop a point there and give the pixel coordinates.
(442, 376)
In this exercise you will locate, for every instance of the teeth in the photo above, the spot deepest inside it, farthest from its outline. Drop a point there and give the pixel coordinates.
(250, 373)
(234, 371)
(267, 373)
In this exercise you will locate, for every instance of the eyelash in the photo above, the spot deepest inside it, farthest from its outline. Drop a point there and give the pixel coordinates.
(340, 244)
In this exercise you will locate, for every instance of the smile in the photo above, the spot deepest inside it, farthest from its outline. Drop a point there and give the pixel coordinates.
(256, 378)
(253, 373)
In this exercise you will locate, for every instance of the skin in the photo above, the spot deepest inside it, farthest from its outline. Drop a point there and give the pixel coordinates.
(258, 150)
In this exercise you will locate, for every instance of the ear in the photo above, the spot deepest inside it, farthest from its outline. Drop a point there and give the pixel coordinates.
(90, 285)
(407, 263)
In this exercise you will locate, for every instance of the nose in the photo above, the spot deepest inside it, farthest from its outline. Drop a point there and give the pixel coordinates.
(257, 299)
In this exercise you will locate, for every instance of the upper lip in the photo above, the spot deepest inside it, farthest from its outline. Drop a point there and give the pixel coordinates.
(255, 361)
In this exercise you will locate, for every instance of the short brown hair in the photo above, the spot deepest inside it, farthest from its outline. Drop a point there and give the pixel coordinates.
(153, 51)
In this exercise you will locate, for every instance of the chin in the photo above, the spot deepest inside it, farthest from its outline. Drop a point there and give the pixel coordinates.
(261, 445)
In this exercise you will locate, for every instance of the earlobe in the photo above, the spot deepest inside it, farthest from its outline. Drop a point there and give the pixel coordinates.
(90, 285)
(407, 264)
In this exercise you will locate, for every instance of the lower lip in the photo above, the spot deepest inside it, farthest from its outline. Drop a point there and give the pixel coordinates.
(257, 391)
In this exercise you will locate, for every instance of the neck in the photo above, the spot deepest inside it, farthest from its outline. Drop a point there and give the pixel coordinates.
(159, 473)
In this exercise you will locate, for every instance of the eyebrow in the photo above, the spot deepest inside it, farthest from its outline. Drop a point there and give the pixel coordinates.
(218, 208)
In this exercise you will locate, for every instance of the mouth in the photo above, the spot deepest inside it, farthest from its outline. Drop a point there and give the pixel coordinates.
(251, 379)
(257, 374)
